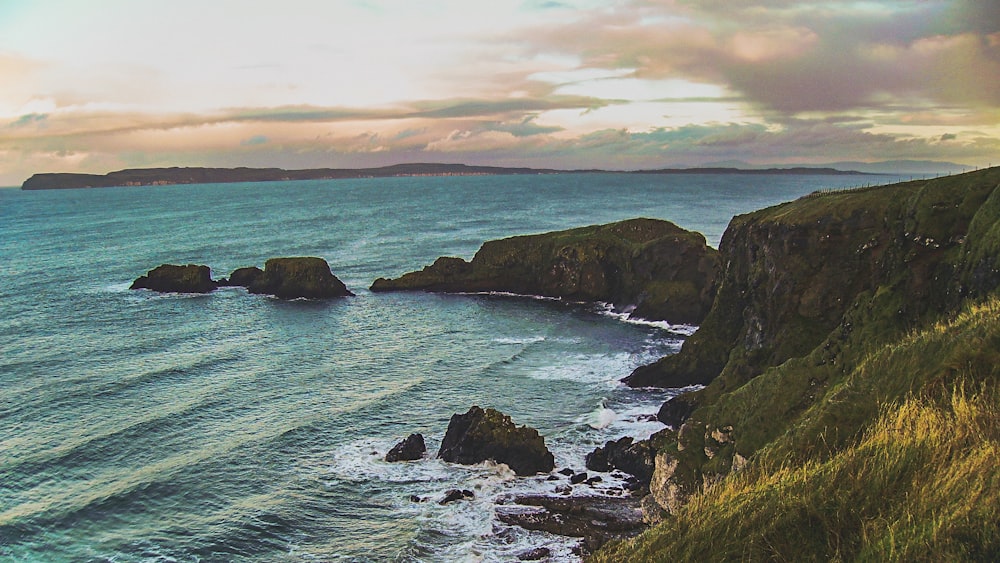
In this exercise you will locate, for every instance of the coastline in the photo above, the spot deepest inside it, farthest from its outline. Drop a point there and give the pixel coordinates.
(195, 175)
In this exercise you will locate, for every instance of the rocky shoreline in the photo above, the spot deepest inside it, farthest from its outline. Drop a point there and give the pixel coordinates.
(789, 307)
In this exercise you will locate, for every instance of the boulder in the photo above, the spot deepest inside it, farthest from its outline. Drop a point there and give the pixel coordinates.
(634, 458)
(242, 277)
(169, 278)
(479, 435)
(411, 448)
(291, 278)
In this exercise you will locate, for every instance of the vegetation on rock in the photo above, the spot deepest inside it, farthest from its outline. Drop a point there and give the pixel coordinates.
(666, 272)
(169, 278)
(851, 359)
(291, 278)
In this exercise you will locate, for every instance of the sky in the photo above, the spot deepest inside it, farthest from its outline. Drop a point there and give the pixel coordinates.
(99, 85)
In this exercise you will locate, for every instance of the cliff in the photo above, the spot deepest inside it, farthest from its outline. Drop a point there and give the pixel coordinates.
(850, 358)
(664, 271)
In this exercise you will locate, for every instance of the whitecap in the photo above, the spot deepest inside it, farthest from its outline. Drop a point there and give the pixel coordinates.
(625, 315)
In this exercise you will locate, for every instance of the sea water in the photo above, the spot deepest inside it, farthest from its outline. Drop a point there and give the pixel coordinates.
(136, 426)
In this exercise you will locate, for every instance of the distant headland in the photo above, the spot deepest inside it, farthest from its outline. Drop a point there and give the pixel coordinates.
(197, 175)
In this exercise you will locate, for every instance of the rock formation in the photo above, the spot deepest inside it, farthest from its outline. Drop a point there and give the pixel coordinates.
(411, 448)
(634, 458)
(291, 278)
(809, 289)
(479, 435)
(666, 272)
(169, 278)
(242, 277)
(596, 520)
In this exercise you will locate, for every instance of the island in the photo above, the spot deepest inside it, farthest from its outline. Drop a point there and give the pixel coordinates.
(200, 175)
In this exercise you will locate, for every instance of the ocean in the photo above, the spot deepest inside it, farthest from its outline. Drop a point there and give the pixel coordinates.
(137, 426)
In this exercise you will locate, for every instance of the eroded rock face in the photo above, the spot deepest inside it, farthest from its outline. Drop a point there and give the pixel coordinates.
(671, 485)
(169, 278)
(291, 278)
(479, 435)
(666, 272)
(411, 448)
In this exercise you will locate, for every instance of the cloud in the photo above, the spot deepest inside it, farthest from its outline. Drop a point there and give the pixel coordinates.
(794, 57)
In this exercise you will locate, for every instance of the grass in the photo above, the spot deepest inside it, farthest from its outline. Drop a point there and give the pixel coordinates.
(912, 474)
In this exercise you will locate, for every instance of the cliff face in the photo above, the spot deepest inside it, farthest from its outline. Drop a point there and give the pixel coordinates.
(792, 272)
(665, 271)
(817, 302)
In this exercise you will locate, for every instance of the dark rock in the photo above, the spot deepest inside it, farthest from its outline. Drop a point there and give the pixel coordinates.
(169, 278)
(451, 495)
(566, 471)
(416, 498)
(411, 448)
(667, 273)
(242, 277)
(563, 489)
(594, 480)
(552, 478)
(675, 411)
(578, 478)
(534, 554)
(595, 519)
(479, 435)
(291, 278)
(634, 458)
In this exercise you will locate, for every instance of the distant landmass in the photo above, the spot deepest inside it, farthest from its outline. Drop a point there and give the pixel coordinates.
(196, 175)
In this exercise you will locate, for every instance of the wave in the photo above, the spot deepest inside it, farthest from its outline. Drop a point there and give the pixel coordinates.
(625, 315)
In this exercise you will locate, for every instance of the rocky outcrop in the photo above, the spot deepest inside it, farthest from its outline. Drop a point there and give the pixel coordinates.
(242, 277)
(810, 288)
(596, 520)
(169, 278)
(665, 272)
(625, 454)
(480, 435)
(291, 278)
(411, 448)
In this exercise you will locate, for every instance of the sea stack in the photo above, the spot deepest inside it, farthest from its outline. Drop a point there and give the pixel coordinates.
(170, 278)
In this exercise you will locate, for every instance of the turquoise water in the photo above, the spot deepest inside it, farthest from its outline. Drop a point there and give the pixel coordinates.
(234, 427)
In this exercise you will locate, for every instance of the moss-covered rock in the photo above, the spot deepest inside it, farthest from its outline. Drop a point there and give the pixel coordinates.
(169, 278)
(480, 435)
(666, 272)
(291, 278)
(810, 289)
(242, 277)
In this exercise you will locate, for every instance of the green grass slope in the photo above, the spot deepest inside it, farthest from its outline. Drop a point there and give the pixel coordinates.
(854, 344)
(918, 482)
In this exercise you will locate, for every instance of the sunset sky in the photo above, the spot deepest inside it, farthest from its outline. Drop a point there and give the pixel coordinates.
(99, 85)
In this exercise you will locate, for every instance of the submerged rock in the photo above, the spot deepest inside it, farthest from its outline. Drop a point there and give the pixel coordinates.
(664, 271)
(451, 495)
(479, 435)
(169, 278)
(411, 448)
(291, 278)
